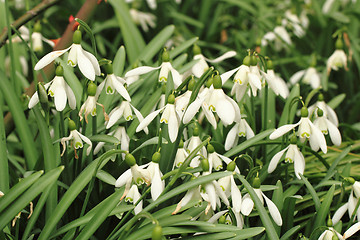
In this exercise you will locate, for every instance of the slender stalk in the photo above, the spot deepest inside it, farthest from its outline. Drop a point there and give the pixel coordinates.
(4, 166)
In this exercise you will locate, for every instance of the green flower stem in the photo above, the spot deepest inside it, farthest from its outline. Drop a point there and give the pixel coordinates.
(4, 166)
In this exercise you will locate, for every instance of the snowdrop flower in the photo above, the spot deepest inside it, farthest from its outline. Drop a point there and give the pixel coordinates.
(145, 20)
(240, 129)
(121, 135)
(246, 75)
(230, 188)
(306, 130)
(350, 205)
(181, 155)
(165, 68)
(157, 185)
(169, 116)
(338, 58)
(331, 233)
(191, 195)
(182, 101)
(327, 127)
(280, 36)
(294, 22)
(193, 143)
(201, 66)
(36, 37)
(309, 76)
(276, 83)
(328, 112)
(248, 204)
(212, 189)
(112, 83)
(89, 106)
(87, 62)
(293, 155)
(133, 196)
(125, 110)
(59, 89)
(76, 138)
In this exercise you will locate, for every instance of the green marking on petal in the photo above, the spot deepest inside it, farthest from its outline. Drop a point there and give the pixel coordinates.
(139, 181)
(325, 132)
(128, 118)
(163, 120)
(71, 63)
(129, 199)
(51, 93)
(242, 134)
(78, 145)
(93, 112)
(212, 108)
(305, 134)
(163, 79)
(179, 164)
(109, 90)
(289, 160)
(222, 187)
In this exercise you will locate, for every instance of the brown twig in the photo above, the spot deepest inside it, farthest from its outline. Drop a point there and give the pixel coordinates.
(27, 17)
(85, 13)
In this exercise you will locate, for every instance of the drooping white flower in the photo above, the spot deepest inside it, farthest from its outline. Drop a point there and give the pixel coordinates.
(191, 195)
(36, 37)
(165, 68)
(192, 144)
(89, 106)
(279, 36)
(329, 234)
(336, 60)
(121, 135)
(169, 116)
(144, 19)
(240, 129)
(157, 185)
(276, 83)
(181, 155)
(293, 155)
(294, 23)
(309, 76)
(76, 138)
(201, 66)
(125, 110)
(182, 101)
(87, 62)
(328, 112)
(248, 205)
(327, 127)
(133, 196)
(306, 130)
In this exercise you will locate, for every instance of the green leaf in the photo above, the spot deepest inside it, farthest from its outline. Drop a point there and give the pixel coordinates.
(324, 210)
(89, 31)
(74, 190)
(151, 141)
(182, 47)
(248, 143)
(100, 215)
(290, 232)
(104, 138)
(155, 45)
(18, 189)
(119, 61)
(266, 220)
(106, 177)
(20, 203)
(22, 127)
(287, 117)
(336, 101)
(312, 192)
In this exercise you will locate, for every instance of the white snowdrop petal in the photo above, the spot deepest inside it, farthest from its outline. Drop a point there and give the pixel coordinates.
(235, 196)
(60, 97)
(226, 55)
(173, 125)
(71, 96)
(319, 137)
(156, 185)
(297, 76)
(94, 62)
(139, 206)
(352, 230)
(339, 213)
(121, 90)
(192, 109)
(334, 133)
(209, 115)
(249, 132)
(225, 76)
(216, 216)
(48, 58)
(225, 111)
(176, 77)
(114, 116)
(33, 100)
(87, 140)
(275, 160)
(148, 120)
(139, 117)
(274, 211)
(254, 80)
(85, 65)
(210, 191)
(140, 71)
(231, 137)
(282, 130)
(299, 163)
(332, 115)
(247, 205)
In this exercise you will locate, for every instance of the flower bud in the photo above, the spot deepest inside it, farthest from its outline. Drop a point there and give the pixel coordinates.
(157, 233)
(171, 99)
(165, 56)
(217, 82)
(210, 148)
(321, 97)
(156, 157)
(191, 84)
(108, 68)
(253, 60)
(339, 44)
(304, 112)
(209, 82)
(247, 60)
(77, 37)
(91, 90)
(59, 71)
(43, 96)
(204, 163)
(181, 143)
(130, 160)
(269, 64)
(71, 125)
(293, 139)
(329, 222)
(256, 182)
(222, 219)
(196, 49)
(231, 166)
(37, 27)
